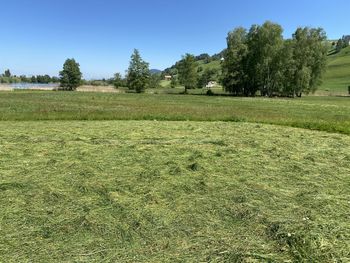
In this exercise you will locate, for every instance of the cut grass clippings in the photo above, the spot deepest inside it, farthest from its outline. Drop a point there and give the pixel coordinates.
(147, 191)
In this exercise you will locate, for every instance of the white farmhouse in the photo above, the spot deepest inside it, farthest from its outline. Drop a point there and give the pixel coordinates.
(211, 84)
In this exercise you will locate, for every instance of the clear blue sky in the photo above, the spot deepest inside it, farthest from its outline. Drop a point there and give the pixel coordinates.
(38, 35)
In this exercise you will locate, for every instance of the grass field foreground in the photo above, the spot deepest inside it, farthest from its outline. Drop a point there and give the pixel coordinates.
(148, 191)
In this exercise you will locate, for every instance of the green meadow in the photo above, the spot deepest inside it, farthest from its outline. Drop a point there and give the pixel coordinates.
(330, 114)
(101, 177)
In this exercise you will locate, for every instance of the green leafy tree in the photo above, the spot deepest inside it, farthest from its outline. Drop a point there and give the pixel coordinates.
(187, 73)
(154, 81)
(262, 60)
(70, 76)
(199, 69)
(138, 73)
(43, 79)
(310, 59)
(55, 79)
(24, 79)
(339, 45)
(174, 82)
(342, 43)
(47, 79)
(264, 45)
(118, 80)
(286, 70)
(7, 73)
(207, 76)
(234, 77)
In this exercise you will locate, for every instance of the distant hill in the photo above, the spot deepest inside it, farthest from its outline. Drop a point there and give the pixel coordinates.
(155, 71)
(337, 77)
(204, 61)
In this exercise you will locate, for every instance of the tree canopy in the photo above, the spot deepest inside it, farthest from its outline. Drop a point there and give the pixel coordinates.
(261, 60)
(138, 73)
(70, 76)
(187, 74)
(7, 73)
(118, 81)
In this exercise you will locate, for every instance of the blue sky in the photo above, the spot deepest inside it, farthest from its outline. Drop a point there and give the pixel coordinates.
(38, 35)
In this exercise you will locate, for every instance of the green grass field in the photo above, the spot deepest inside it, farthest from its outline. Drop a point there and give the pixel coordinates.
(165, 83)
(320, 113)
(146, 191)
(101, 177)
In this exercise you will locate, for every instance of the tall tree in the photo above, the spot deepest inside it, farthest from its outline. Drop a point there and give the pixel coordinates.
(262, 60)
(264, 44)
(310, 58)
(233, 66)
(70, 76)
(7, 73)
(287, 68)
(154, 81)
(187, 74)
(118, 80)
(173, 82)
(138, 73)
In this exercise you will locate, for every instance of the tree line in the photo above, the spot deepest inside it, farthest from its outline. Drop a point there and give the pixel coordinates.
(256, 61)
(260, 60)
(8, 78)
(138, 77)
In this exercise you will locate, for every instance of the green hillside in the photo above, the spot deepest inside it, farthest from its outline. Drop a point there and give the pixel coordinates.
(215, 64)
(337, 78)
(335, 82)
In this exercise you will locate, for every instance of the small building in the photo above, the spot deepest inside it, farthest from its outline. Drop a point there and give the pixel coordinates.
(211, 84)
(167, 77)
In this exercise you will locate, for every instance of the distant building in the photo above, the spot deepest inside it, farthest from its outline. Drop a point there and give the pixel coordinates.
(211, 84)
(168, 77)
